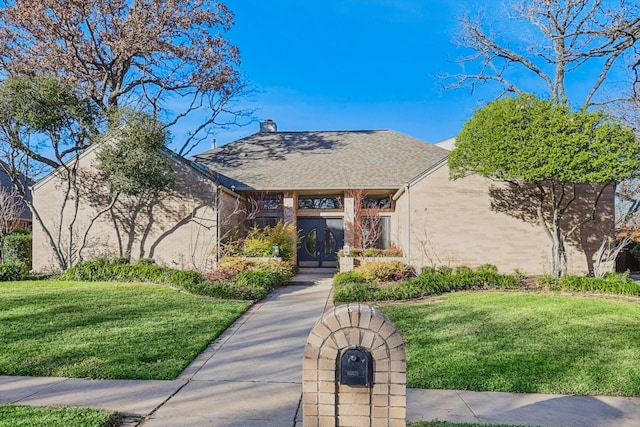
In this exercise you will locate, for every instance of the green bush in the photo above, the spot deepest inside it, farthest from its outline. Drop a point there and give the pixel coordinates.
(259, 279)
(384, 270)
(247, 279)
(16, 248)
(348, 277)
(373, 252)
(430, 282)
(183, 278)
(612, 283)
(107, 269)
(12, 272)
(354, 291)
(97, 269)
(260, 242)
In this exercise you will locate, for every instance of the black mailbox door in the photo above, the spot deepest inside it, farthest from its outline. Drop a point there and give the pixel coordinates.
(356, 367)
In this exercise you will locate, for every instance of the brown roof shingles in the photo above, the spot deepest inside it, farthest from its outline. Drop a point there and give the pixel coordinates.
(321, 160)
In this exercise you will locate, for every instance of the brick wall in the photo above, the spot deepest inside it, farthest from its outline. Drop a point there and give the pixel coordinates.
(442, 222)
(178, 229)
(326, 402)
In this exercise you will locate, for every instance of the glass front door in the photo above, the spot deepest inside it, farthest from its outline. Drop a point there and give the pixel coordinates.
(322, 238)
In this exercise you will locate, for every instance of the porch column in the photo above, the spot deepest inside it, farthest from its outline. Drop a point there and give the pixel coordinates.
(349, 212)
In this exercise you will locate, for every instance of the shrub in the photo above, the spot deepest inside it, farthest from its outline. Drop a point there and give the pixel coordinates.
(223, 290)
(392, 251)
(97, 269)
(249, 280)
(260, 242)
(283, 268)
(16, 248)
(12, 272)
(430, 282)
(384, 271)
(612, 283)
(348, 277)
(183, 278)
(354, 291)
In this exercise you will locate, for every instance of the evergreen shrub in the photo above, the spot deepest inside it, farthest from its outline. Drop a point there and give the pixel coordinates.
(16, 248)
(12, 272)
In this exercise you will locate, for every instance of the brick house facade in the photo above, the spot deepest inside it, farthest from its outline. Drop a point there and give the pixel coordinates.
(317, 180)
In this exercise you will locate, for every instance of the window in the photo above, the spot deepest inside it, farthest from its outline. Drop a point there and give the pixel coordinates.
(376, 232)
(376, 202)
(270, 202)
(320, 202)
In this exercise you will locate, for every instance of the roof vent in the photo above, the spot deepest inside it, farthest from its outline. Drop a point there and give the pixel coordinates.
(268, 126)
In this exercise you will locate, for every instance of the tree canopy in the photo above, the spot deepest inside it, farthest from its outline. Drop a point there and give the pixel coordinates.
(134, 156)
(535, 140)
(167, 57)
(544, 150)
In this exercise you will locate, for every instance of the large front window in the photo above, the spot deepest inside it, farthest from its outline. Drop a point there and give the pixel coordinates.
(375, 232)
(320, 202)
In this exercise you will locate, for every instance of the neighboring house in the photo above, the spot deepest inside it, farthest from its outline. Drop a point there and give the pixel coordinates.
(313, 179)
(24, 220)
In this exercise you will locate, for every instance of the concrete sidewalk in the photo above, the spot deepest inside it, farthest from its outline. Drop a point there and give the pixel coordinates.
(251, 376)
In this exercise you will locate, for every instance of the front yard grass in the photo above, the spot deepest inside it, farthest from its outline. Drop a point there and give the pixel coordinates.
(522, 342)
(106, 330)
(448, 424)
(27, 416)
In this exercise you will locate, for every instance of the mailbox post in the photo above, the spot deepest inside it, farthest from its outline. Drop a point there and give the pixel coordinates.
(354, 370)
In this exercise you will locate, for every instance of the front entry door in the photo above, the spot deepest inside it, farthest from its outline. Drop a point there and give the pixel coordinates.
(322, 238)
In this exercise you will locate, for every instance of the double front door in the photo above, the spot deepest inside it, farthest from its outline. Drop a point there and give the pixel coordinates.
(322, 238)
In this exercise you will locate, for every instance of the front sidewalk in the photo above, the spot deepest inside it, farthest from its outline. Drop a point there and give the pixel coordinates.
(251, 376)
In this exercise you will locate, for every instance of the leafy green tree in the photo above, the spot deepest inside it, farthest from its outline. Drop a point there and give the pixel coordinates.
(544, 150)
(134, 155)
(134, 163)
(39, 112)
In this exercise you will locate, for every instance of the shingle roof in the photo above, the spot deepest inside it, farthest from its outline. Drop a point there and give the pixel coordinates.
(321, 160)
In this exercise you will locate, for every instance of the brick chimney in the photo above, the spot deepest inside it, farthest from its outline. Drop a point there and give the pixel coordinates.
(268, 126)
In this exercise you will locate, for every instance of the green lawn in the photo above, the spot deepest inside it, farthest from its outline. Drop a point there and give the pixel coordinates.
(522, 342)
(105, 330)
(26, 416)
(448, 424)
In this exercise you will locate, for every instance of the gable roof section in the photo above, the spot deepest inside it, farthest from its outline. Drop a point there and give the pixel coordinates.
(320, 160)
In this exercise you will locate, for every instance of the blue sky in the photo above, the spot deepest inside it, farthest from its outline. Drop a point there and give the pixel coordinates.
(352, 64)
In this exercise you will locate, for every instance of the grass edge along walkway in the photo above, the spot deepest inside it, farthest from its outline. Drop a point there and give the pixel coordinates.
(522, 342)
(103, 330)
(29, 416)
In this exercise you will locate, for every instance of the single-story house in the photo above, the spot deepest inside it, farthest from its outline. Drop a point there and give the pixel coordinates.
(325, 182)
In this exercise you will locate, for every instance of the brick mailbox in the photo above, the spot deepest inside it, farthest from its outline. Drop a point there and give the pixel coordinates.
(354, 370)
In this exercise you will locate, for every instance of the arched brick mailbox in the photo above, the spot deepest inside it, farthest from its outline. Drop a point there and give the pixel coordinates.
(354, 370)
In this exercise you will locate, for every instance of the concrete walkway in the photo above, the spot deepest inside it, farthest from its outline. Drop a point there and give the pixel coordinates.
(251, 376)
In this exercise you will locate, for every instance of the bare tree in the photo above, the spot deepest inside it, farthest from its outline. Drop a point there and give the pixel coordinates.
(558, 39)
(11, 209)
(166, 57)
(367, 222)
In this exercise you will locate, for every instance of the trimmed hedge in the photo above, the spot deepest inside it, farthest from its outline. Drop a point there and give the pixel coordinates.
(245, 279)
(12, 272)
(16, 248)
(429, 282)
(612, 283)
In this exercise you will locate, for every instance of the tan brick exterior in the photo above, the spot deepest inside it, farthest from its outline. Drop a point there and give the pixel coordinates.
(325, 401)
(436, 222)
(178, 230)
(443, 222)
